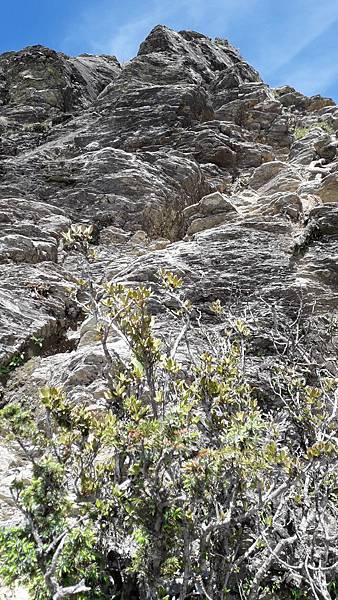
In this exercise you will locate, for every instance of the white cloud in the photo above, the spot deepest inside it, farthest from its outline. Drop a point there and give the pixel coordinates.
(305, 81)
(128, 36)
(301, 22)
(313, 71)
(122, 44)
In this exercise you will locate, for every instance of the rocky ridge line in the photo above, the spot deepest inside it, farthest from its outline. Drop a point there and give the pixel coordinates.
(181, 158)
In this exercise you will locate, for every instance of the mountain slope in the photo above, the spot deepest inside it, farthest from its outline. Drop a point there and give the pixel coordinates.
(182, 158)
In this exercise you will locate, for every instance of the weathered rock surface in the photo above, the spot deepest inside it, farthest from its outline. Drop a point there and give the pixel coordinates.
(181, 158)
(210, 211)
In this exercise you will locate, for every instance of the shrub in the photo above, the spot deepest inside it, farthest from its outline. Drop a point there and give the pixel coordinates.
(181, 484)
(300, 132)
(42, 127)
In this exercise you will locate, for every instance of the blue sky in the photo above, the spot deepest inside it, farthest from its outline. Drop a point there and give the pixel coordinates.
(288, 41)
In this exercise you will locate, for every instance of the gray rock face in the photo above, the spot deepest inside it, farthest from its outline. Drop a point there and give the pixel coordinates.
(30, 231)
(34, 303)
(38, 82)
(181, 158)
(183, 138)
(211, 210)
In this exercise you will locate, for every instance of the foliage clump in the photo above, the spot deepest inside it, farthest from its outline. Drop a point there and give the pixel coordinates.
(300, 132)
(182, 484)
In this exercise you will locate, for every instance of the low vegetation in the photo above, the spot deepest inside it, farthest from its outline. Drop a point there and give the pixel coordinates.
(182, 483)
(300, 132)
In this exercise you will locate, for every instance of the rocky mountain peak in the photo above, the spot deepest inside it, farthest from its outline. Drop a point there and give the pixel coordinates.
(140, 147)
(181, 158)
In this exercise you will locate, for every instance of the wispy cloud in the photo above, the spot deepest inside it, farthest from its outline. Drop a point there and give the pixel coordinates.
(283, 31)
(302, 77)
(128, 36)
(123, 42)
(314, 69)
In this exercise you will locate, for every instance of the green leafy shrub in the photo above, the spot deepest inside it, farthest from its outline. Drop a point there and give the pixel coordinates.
(182, 484)
(300, 132)
(42, 127)
(16, 361)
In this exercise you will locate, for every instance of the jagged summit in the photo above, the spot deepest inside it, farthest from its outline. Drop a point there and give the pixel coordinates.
(183, 140)
(138, 147)
(163, 39)
(182, 158)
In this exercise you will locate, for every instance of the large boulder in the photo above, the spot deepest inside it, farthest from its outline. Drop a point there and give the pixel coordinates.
(328, 189)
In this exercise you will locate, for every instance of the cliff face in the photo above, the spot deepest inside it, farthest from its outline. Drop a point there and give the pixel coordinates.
(181, 158)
